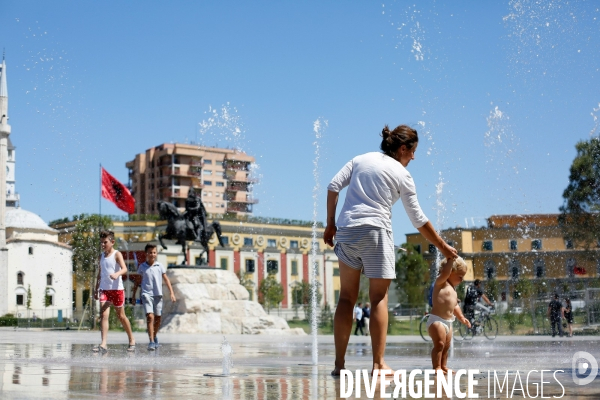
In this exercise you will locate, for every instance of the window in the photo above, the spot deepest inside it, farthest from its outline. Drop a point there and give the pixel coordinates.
(540, 268)
(571, 264)
(49, 280)
(336, 272)
(20, 300)
(220, 184)
(293, 244)
(568, 244)
(336, 295)
(432, 249)
(512, 244)
(294, 268)
(490, 269)
(20, 278)
(514, 269)
(208, 183)
(249, 266)
(272, 267)
(207, 162)
(176, 203)
(176, 160)
(225, 240)
(206, 172)
(536, 244)
(247, 241)
(224, 263)
(488, 245)
(271, 243)
(199, 260)
(31, 250)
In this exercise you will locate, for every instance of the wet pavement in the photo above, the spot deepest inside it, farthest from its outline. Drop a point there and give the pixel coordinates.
(60, 364)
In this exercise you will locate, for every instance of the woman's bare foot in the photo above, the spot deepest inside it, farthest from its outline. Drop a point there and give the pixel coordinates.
(337, 370)
(446, 370)
(379, 367)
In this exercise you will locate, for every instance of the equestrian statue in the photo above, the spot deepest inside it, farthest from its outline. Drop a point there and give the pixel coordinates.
(189, 226)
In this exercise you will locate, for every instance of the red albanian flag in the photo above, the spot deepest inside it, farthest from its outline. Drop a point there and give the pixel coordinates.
(115, 191)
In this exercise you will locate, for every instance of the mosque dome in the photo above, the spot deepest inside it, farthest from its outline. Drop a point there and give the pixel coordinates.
(17, 218)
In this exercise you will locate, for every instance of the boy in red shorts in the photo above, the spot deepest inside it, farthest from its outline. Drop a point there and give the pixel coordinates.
(110, 290)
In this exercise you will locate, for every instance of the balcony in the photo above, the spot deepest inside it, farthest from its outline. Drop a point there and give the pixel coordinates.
(247, 200)
(238, 207)
(232, 165)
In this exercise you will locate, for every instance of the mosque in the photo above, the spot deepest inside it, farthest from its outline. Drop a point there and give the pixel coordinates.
(35, 268)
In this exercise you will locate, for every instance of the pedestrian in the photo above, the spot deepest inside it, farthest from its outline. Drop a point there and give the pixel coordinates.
(363, 232)
(567, 314)
(366, 317)
(153, 274)
(110, 291)
(358, 317)
(554, 313)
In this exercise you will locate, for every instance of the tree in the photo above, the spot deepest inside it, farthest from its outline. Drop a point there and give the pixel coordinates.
(580, 212)
(492, 288)
(47, 297)
(411, 269)
(28, 298)
(271, 292)
(246, 282)
(301, 295)
(85, 242)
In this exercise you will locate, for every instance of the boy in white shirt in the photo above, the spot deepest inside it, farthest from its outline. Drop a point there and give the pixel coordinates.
(110, 291)
(153, 273)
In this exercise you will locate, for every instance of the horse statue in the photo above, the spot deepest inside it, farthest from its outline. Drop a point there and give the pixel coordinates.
(188, 226)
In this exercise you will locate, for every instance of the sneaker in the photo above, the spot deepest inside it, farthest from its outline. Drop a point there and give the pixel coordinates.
(151, 346)
(156, 341)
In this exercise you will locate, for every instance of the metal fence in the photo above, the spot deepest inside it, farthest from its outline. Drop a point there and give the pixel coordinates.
(592, 306)
(44, 318)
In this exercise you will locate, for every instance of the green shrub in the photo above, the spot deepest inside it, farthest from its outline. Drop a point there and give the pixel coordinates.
(8, 320)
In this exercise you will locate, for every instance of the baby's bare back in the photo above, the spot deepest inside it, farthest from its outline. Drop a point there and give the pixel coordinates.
(444, 301)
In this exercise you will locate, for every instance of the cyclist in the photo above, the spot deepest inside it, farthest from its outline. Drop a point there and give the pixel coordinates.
(472, 297)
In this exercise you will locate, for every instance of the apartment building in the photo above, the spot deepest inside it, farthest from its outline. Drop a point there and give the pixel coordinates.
(512, 247)
(169, 171)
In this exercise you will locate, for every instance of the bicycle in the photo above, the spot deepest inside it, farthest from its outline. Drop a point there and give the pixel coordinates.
(483, 323)
(425, 334)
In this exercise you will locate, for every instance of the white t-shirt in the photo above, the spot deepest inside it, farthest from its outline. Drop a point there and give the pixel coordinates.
(358, 313)
(108, 266)
(375, 182)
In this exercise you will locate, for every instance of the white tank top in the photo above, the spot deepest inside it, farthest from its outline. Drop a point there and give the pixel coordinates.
(108, 266)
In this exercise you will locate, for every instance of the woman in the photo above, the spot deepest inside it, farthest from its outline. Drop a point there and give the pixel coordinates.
(567, 314)
(364, 236)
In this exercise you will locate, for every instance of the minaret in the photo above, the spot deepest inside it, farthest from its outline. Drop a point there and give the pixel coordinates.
(4, 133)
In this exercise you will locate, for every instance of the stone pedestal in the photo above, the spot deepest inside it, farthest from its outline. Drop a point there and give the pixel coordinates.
(213, 301)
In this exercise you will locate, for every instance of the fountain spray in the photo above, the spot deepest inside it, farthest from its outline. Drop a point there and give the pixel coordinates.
(318, 127)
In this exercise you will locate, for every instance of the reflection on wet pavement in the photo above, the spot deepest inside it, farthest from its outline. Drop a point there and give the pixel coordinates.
(59, 364)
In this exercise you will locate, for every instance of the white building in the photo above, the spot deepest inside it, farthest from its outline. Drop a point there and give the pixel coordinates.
(32, 260)
(38, 262)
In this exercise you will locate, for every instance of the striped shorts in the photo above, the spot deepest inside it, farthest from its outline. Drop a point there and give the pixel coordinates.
(367, 248)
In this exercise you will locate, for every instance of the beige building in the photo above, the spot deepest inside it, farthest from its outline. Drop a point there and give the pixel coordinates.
(169, 171)
(518, 246)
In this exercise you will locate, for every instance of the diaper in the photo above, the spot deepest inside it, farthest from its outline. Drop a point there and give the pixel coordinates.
(446, 322)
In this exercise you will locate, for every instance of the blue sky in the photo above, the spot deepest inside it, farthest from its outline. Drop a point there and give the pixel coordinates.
(500, 92)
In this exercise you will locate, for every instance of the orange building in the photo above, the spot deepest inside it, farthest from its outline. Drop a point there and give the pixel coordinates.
(518, 246)
(169, 171)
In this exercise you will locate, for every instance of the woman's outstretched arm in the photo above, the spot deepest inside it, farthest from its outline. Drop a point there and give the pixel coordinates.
(429, 233)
